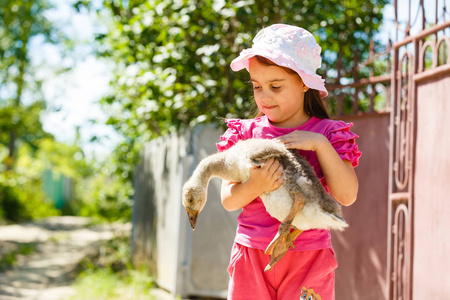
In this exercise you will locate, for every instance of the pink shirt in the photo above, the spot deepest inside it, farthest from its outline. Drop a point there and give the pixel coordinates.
(256, 228)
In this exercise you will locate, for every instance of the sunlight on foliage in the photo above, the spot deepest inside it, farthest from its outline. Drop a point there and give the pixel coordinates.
(104, 284)
(21, 195)
(172, 59)
(111, 276)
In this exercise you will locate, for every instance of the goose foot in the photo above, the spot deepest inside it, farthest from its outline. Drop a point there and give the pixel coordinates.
(281, 244)
(284, 239)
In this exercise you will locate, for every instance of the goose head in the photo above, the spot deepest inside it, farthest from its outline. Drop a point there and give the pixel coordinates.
(193, 199)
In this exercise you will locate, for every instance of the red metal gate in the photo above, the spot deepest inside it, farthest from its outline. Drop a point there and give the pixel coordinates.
(417, 91)
(420, 62)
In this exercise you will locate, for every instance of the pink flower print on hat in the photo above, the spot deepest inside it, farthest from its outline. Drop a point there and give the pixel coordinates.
(307, 50)
(268, 37)
(288, 46)
(289, 35)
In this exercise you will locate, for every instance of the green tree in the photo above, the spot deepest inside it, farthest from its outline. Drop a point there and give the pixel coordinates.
(26, 150)
(172, 57)
(20, 22)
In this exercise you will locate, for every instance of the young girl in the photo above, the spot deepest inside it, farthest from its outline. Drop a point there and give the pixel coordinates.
(288, 93)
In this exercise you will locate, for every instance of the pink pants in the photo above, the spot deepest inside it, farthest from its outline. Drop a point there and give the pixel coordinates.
(298, 275)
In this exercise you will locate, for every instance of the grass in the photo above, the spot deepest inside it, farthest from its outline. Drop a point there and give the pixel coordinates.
(59, 237)
(105, 284)
(10, 259)
(110, 276)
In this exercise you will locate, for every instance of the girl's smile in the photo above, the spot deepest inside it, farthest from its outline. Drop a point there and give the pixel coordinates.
(278, 94)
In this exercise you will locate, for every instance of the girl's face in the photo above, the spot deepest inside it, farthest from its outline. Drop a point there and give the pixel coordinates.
(278, 94)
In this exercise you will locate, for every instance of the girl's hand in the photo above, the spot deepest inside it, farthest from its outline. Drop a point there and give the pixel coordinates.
(266, 178)
(303, 140)
(339, 174)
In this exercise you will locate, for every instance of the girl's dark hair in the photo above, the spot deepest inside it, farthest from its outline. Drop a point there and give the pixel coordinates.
(313, 103)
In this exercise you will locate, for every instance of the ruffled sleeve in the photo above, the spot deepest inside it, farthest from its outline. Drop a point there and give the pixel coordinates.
(343, 141)
(232, 135)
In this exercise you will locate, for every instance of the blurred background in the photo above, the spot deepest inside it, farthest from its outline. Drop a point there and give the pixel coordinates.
(86, 85)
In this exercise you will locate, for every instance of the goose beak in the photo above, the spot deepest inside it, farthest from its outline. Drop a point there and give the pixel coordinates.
(193, 215)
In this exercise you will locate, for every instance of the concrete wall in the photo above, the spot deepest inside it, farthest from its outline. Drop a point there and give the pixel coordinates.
(157, 215)
(185, 262)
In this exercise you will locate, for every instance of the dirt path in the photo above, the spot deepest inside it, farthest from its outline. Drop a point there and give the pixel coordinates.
(57, 245)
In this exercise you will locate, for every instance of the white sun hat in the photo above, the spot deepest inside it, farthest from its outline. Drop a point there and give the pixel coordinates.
(287, 46)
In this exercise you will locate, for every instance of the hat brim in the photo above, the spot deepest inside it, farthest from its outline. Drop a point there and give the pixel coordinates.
(311, 80)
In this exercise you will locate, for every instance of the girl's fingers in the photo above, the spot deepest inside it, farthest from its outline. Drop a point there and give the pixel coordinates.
(268, 163)
(281, 140)
(276, 173)
(279, 171)
(278, 182)
(290, 145)
(270, 175)
(271, 165)
(275, 167)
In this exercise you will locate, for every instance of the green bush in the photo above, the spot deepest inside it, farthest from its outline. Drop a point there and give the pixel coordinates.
(23, 201)
(106, 195)
(21, 194)
(111, 277)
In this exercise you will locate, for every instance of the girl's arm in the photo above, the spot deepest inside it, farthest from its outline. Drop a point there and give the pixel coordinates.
(339, 174)
(263, 179)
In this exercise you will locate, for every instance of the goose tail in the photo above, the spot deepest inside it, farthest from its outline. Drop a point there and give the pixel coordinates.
(339, 222)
